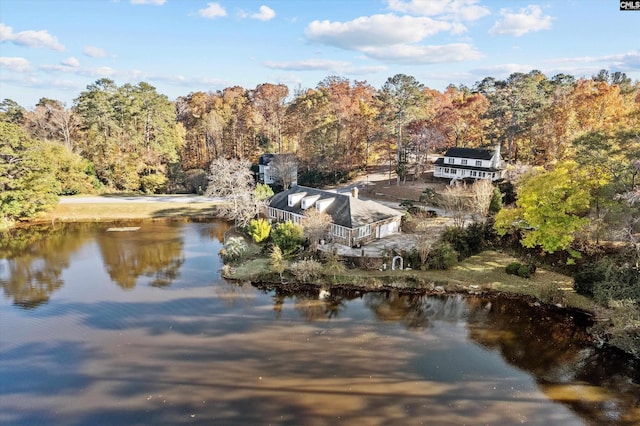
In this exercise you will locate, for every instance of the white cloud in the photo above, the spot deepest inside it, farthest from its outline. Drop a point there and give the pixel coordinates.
(307, 65)
(154, 2)
(265, 14)
(526, 20)
(94, 52)
(376, 30)
(71, 62)
(465, 10)
(30, 38)
(15, 64)
(212, 11)
(421, 54)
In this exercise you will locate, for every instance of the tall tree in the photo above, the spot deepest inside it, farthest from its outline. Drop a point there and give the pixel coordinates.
(27, 180)
(402, 96)
(551, 207)
(270, 101)
(130, 133)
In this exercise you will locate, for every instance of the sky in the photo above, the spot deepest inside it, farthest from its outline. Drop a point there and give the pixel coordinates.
(56, 48)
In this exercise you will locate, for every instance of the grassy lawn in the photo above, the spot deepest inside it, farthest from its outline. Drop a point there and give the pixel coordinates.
(482, 272)
(119, 210)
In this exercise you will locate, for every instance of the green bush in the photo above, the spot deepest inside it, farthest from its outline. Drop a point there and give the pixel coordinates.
(606, 281)
(513, 267)
(469, 241)
(442, 256)
(521, 270)
(152, 184)
(288, 236)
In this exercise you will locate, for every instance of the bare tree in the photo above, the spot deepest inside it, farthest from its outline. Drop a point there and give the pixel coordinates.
(232, 180)
(481, 195)
(315, 224)
(455, 201)
(284, 169)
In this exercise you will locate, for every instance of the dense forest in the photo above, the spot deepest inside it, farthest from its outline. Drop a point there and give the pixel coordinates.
(132, 138)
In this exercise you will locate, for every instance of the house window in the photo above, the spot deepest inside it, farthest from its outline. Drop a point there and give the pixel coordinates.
(339, 231)
(363, 231)
(451, 160)
(474, 173)
(464, 162)
(479, 163)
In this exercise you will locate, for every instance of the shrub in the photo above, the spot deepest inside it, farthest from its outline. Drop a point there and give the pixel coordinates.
(259, 230)
(550, 293)
(468, 241)
(521, 270)
(306, 270)
(585, 279)
(288, 236)
(234, 249)
(513, 268)
(442, 256)
(152, 184)
(428, 196)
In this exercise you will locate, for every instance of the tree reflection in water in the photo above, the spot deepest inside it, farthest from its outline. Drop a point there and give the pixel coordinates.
(154, 251)
(555, 348)
(34, 258)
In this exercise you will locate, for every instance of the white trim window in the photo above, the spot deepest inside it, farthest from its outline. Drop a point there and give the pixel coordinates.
(479, 163)
(339, 231)
(363, 231)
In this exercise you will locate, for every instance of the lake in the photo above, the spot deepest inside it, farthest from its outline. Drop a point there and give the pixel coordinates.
(135, 326)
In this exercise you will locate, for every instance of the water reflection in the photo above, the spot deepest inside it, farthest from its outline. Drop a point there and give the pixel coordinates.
(212, 352)
(154, 251)
(32, 260)
(556, 349)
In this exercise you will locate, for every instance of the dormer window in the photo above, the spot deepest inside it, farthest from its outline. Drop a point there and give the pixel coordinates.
(463, 162)
(321, 205)
(294, 199)
(479, 163)
(309, 201)
(451, 160)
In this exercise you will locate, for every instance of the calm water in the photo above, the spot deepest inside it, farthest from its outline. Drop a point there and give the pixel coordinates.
(137, 327)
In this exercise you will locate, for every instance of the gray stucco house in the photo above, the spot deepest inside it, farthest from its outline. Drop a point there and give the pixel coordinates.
(353, 221)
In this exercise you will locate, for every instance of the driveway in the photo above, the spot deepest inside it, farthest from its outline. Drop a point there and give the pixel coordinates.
(111, 199)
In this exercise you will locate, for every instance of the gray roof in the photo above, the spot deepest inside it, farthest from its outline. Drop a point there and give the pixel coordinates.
(345, 210)
(476, 153)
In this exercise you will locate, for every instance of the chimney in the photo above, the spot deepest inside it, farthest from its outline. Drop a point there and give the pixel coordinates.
(354, 192)
(496, 156)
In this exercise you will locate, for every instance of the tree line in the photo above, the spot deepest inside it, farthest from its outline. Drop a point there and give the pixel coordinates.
(132, 138)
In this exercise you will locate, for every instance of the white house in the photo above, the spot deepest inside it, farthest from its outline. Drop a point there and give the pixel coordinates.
(470, 163)
(267, 174)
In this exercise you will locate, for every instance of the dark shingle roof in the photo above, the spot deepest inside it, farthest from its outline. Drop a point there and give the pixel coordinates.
(476, 153)
(345, 210)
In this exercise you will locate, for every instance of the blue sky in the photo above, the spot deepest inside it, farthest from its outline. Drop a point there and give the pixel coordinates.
(55, 48)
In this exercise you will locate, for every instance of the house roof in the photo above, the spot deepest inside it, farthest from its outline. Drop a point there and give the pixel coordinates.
(345, 210)
(440, 162)
(475, 153)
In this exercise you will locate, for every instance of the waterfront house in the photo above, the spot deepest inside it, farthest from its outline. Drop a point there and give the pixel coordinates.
(354, 221)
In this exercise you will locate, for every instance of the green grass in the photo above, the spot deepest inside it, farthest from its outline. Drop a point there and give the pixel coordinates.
(482, 272)
(138, 210)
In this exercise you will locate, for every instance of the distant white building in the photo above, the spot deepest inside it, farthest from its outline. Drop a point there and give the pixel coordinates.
(470, 163)
(268, 174)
